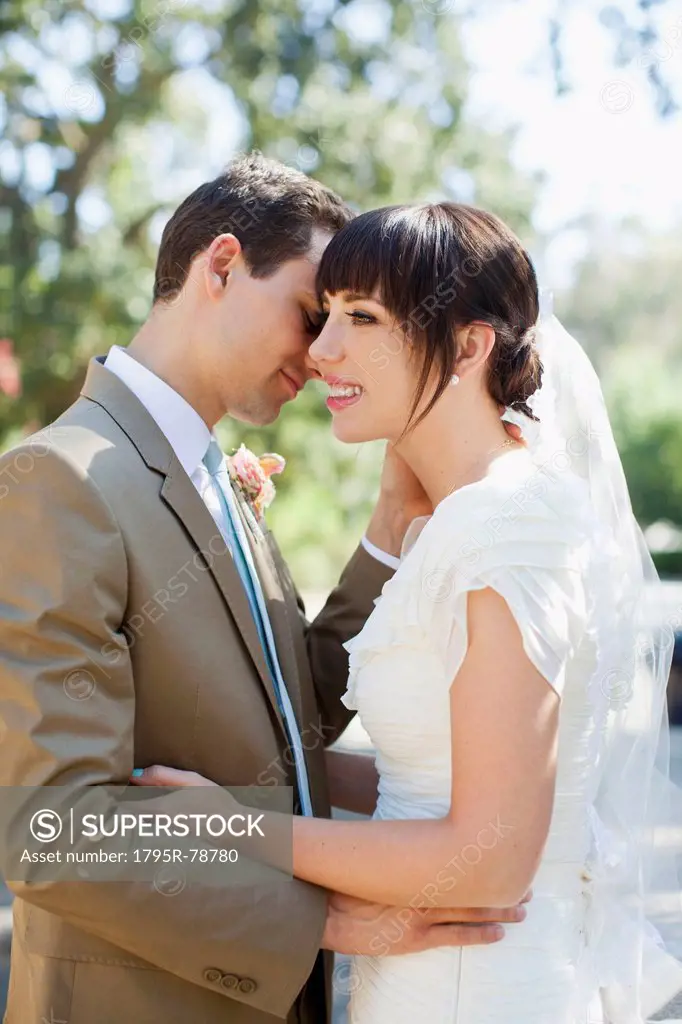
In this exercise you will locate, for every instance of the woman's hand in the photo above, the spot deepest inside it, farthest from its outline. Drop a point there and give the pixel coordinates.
(401, 499)
(400, 486)
(170, 778)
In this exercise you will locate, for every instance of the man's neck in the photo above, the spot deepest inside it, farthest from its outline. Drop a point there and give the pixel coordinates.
(166, 357)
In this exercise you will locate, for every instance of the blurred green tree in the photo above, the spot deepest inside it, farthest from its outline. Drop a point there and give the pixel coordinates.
(626, 307)
(652, 458)
(108, 107)
(626, 299)
(113, 110)
(104, 103)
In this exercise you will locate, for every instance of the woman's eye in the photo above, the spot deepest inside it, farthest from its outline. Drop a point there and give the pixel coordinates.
(360, 318)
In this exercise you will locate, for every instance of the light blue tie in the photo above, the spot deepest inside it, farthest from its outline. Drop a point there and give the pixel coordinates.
(214, 460)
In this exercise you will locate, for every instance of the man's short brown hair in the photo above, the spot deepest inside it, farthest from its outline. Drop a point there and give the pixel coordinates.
(271, 208)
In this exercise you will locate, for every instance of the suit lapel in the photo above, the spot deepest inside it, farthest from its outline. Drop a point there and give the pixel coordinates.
(283, 612)
(275, 602)
(180, 495)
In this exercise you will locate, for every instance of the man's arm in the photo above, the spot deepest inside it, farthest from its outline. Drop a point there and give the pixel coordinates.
(63, 595)
(353, 781)
(347, 609)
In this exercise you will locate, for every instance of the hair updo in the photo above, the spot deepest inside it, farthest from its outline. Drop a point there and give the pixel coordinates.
(436, 268)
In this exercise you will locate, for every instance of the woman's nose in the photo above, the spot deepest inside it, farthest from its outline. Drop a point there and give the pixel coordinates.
(326, 347)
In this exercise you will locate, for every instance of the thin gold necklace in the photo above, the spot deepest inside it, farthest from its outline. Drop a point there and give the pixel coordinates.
(505, 444)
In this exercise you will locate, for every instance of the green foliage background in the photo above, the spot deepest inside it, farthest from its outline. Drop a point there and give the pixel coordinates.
(114, 110)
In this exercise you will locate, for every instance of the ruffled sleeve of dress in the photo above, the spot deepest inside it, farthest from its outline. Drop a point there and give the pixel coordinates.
(521, 534)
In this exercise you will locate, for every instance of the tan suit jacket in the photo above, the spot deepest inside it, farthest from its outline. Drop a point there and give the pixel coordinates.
(101, 534)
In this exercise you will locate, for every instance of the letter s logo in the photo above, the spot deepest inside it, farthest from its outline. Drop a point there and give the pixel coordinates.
(46, 826)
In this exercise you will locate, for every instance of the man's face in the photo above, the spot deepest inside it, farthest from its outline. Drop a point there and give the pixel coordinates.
(256, 336)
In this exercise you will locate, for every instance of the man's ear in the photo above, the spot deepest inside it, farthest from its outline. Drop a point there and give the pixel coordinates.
(474, 345)
(219, 260)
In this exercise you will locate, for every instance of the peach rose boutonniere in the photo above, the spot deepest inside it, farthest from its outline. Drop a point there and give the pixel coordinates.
(253, 476)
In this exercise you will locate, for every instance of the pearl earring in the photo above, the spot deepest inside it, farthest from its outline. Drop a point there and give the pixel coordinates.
(454, 380)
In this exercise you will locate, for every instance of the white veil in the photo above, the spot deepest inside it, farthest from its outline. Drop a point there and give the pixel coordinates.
(636, 810)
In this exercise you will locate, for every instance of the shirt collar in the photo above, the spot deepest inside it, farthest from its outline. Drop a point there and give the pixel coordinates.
(183, 427)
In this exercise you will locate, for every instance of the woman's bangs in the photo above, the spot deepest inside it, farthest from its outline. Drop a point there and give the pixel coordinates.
(363, 257)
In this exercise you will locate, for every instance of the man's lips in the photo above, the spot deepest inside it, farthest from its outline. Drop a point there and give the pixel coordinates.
(294, 383)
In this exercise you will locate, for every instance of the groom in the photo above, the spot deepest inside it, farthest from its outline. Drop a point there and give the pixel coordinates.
(144, 620)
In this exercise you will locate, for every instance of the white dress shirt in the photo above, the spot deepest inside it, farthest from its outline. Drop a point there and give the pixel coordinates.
(392, 561)
(181, 424)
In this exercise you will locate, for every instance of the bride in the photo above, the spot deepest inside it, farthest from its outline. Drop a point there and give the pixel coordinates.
(513, 700)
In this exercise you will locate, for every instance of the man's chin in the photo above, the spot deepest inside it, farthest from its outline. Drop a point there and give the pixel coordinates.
(257, 417)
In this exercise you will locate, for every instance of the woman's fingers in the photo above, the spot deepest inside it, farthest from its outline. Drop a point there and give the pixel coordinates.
(512, 429)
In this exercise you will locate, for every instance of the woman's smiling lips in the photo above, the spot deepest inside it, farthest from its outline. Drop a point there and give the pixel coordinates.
(343, 393)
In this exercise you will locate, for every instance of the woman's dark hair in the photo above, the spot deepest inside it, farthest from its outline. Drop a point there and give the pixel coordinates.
(271, 208)
(436, 268)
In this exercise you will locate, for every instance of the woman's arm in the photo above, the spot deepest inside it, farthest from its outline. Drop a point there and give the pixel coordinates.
(353, 781)
(485, 852)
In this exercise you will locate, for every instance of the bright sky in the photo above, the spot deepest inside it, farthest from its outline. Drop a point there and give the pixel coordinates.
(603, 147)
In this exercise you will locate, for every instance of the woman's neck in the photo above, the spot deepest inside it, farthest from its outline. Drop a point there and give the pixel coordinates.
(454, 445)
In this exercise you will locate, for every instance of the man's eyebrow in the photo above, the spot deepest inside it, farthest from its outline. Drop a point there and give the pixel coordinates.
(312, 297)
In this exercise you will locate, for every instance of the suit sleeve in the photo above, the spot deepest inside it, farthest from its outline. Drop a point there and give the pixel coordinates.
(63, 597)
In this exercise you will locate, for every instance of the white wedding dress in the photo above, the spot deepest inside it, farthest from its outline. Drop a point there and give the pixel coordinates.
(524, 533)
